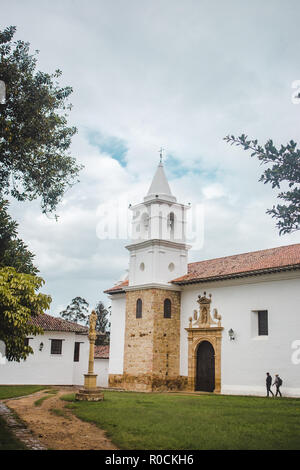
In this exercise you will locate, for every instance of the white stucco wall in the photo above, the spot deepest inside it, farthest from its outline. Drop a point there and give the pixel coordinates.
(117, 334)
(43, 368)
(245, 361)
(101, 369)
(161, 263)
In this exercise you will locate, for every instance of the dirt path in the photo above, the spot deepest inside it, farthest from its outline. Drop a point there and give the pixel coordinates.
(65, 432)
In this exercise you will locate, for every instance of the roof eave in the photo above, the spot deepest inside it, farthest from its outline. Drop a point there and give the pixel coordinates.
(236, 275)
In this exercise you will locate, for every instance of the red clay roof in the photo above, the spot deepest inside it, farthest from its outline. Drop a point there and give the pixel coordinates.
(118, 288)
(101, 352)
(274, 259)
(49, 323)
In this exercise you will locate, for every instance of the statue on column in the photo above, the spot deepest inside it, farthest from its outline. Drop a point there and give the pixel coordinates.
(90, 392)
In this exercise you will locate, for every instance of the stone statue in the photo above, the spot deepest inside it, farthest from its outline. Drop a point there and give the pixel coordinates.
(90, 391)
(217, 316)
(204, 319)
(92, 326)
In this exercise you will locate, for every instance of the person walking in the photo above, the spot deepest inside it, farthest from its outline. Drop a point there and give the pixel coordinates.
(268, 384)
(277, 383)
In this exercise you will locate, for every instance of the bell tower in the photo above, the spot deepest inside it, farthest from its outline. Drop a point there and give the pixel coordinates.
(158, 254)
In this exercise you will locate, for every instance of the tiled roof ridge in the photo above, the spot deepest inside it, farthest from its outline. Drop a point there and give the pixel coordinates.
(268, 260)
(245, 253)
(51, 323)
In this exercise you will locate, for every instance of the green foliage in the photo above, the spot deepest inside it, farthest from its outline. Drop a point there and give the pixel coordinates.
(284, 170)
(177, 421)
(34, 136)
(76, 311)
(19, 302)
(102, 324)
(13, 251)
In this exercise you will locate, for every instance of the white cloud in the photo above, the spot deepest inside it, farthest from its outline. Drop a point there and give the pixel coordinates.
(181, 75)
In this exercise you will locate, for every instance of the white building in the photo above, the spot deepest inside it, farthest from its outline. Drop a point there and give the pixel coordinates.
(215, 325)
(60, 356)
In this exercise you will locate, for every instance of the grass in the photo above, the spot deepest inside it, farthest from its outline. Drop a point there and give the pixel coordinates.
(7, 440)
(60, 413)
(172, 421)
(41, 400)
(13, 391)
(50, 394)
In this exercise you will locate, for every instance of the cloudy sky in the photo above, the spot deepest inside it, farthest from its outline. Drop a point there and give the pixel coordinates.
(146, 74)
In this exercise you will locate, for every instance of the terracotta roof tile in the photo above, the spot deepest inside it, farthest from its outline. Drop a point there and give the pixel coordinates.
(118, 288)
(49, 323)
(279, 258)
(101, 352)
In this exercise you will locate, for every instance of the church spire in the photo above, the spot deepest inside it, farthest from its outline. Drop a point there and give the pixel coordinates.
(159, 188)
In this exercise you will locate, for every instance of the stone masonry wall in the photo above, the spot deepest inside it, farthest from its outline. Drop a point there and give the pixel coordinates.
(151, 349)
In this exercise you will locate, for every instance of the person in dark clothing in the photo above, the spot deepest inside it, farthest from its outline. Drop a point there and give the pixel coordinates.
(277, 383)
(268, 384)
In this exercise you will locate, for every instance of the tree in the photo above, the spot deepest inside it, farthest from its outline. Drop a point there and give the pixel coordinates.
(284, 170)
(13, 251)
(76, 311)
(19, 303)
(102, 324)
(34, 136)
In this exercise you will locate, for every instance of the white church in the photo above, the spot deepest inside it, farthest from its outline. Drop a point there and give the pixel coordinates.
(216, 325)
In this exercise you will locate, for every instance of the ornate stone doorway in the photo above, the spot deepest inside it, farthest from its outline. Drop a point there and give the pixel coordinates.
(204, 338)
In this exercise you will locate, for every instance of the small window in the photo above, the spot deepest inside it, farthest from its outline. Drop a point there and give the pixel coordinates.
(76, 352)
(139, 308)
(56, 346)
(167, 308)
(262, 322)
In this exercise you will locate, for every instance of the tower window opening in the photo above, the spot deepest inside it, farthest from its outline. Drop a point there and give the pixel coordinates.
(139, 308)
(171, 224)
(167, 308)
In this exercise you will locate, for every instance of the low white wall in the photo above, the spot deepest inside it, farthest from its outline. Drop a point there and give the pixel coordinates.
(117, 334)
(44, 368)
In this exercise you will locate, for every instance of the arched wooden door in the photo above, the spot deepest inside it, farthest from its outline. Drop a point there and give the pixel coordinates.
(205, 373)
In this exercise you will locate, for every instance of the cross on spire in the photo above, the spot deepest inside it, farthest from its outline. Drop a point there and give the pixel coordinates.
(161, 150)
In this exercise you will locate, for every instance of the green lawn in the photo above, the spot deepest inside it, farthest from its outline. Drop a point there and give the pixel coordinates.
(173, 421)
(13, 391)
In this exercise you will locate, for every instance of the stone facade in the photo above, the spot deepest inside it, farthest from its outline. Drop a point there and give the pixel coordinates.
(151, 351)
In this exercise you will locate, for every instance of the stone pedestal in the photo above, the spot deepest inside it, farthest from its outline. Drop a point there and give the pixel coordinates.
(90, 392)
(89, 395)
(90, 381)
